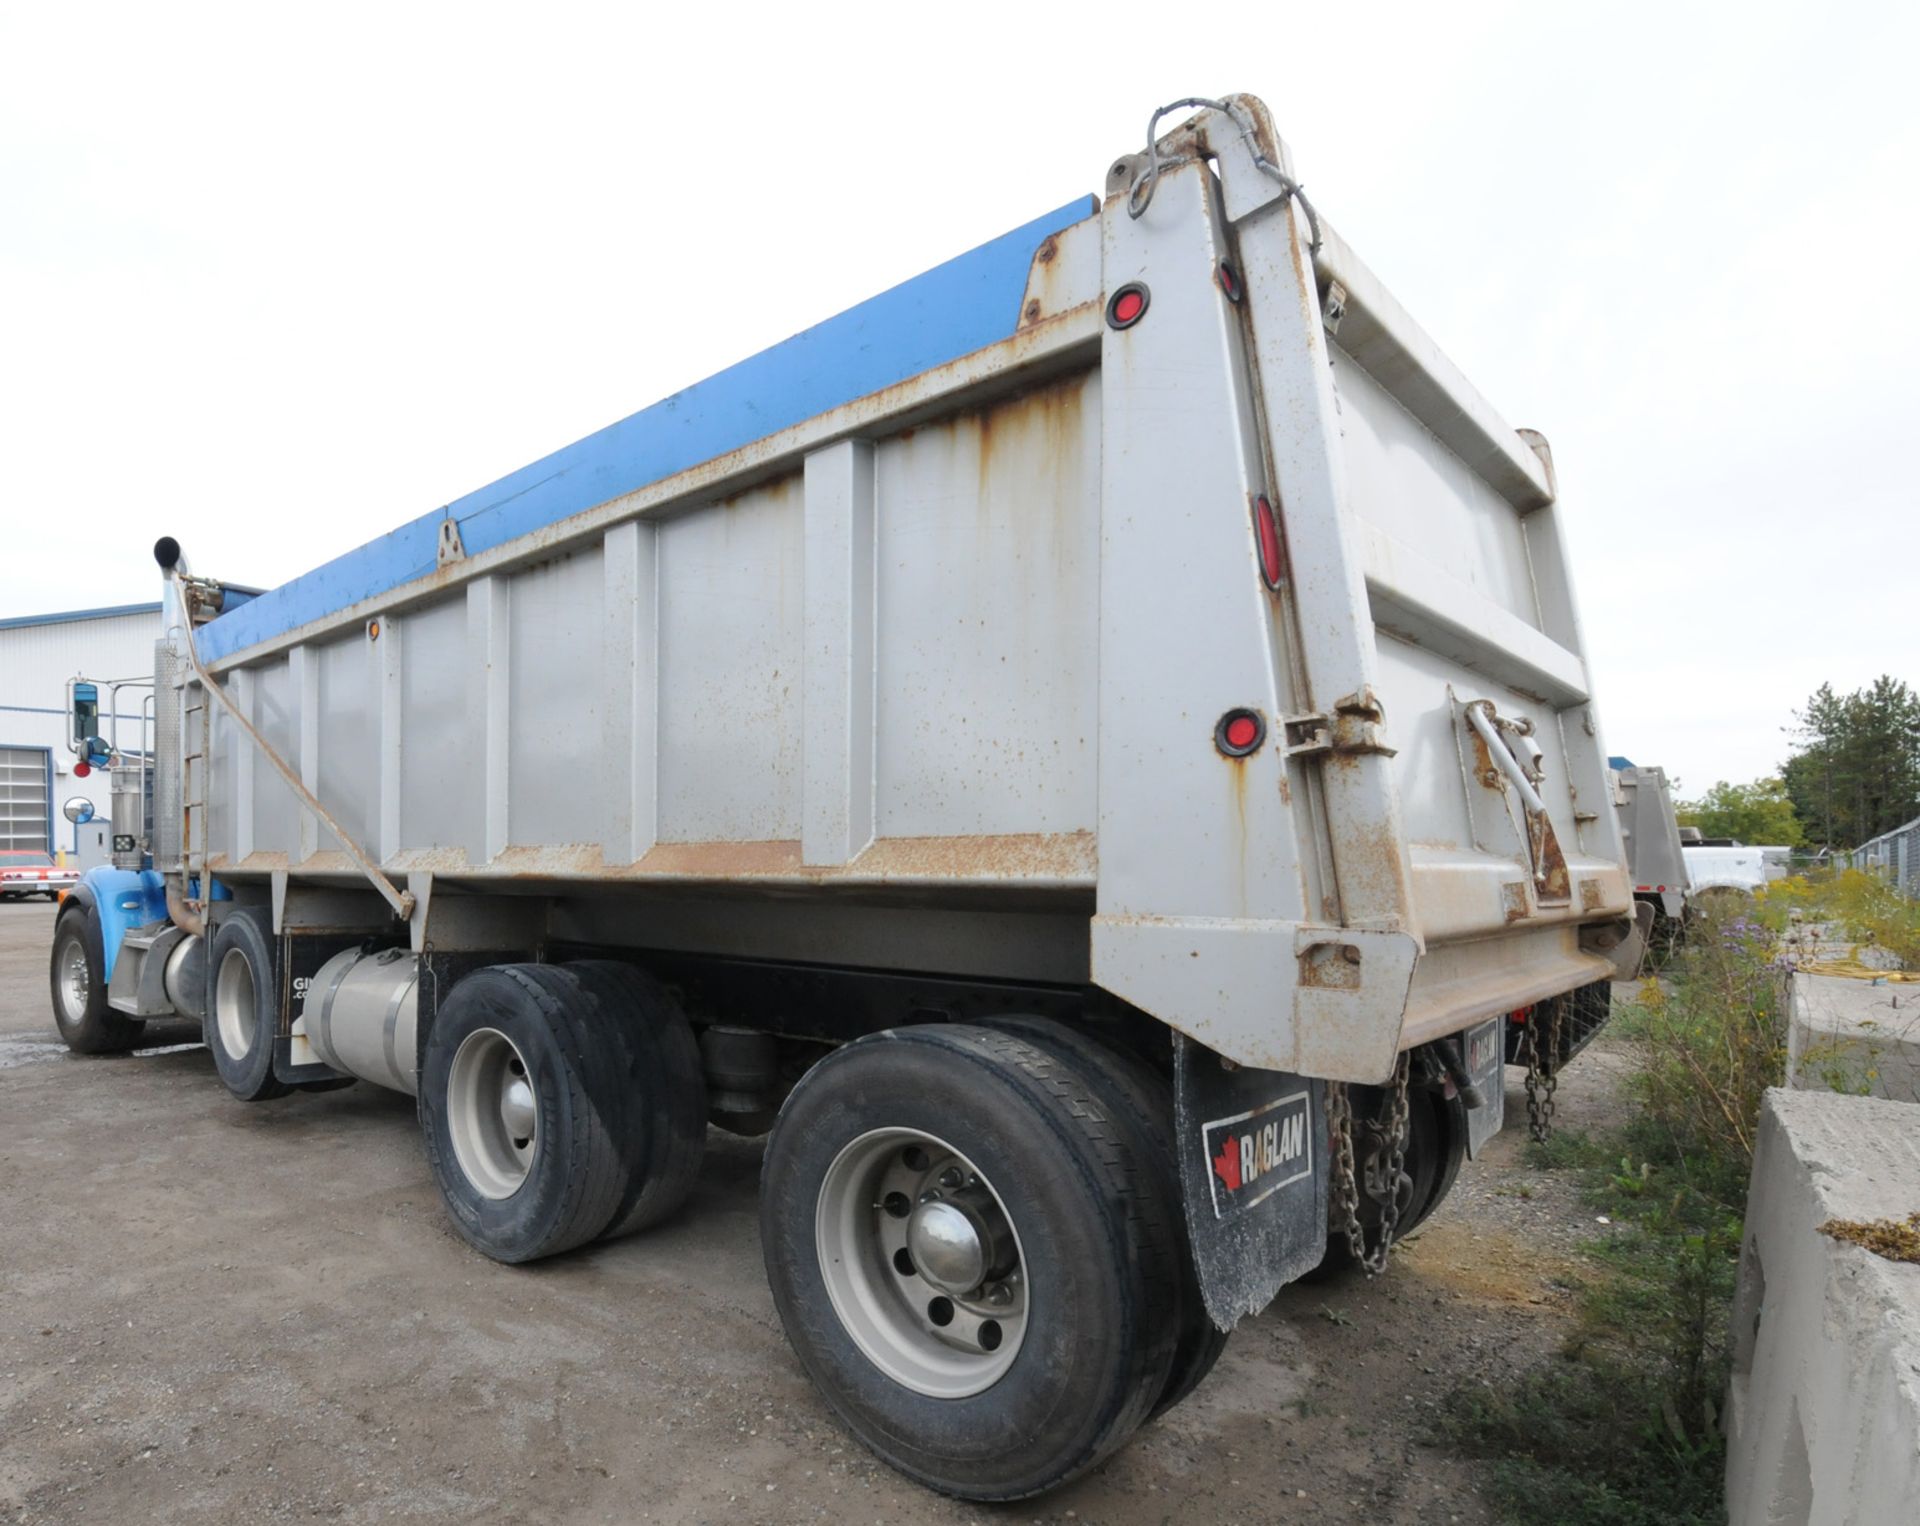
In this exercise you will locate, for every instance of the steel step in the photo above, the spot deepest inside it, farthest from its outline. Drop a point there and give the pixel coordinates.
(145, 937)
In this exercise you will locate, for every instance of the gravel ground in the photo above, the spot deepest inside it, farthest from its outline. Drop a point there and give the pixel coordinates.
(215, 1312)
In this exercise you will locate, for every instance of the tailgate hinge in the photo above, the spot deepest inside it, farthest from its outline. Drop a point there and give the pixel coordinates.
(1354, 730)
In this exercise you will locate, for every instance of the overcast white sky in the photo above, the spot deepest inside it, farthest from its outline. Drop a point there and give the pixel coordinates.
(274, 279)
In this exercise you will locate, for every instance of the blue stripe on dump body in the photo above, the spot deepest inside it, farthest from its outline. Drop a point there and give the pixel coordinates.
(968, 303)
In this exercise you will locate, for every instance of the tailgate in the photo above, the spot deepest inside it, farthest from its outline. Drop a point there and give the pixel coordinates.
(1479, 669)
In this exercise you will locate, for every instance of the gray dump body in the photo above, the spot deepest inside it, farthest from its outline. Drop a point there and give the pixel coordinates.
(1651, 833)
(911, 645)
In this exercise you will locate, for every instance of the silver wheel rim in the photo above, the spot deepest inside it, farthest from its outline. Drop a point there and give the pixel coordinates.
(922, 1263)
(493, 1113)
(235, 1004)
(74, 981)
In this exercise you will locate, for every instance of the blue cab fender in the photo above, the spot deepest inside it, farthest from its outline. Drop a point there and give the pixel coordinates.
(125, 899)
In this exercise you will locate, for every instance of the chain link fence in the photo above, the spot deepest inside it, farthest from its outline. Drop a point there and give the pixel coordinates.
(1894, 855)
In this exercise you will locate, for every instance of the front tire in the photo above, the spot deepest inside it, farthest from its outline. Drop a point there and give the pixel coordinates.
(963, 1251)
(79, 988)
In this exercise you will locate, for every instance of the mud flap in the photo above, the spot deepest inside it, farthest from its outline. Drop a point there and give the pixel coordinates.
(1486, 1068)
(1253, 1176)
(300, 959)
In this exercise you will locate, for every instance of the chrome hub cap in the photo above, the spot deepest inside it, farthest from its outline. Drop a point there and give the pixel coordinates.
(74, 982)
(492, 1113)
(947, 1247)
(234, 1004)
(922, 1263)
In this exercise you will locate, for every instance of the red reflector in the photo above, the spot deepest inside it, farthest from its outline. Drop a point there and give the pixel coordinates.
(1266, 530)
(81, 770)
(1239, 732)
(1125, 306)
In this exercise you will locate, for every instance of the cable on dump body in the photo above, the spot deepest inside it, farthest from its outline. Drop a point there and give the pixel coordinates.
(1140, 194)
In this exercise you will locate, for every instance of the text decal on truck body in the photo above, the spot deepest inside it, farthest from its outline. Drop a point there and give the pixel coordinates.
(1252, 1155)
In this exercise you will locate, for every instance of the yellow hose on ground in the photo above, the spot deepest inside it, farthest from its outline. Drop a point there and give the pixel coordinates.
(1853, 969)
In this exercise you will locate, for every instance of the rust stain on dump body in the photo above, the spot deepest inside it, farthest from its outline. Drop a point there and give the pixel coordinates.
(1065, 858)
(1059, 859)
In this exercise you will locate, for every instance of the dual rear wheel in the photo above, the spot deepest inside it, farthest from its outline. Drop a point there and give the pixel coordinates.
(974, 1240)
(560, 1104)
(973, 1235)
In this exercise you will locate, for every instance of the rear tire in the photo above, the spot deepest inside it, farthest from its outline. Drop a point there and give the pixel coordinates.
(1135, 1092)
(1445, 1139)
(525, 1111)
(80, 1012)
(668, 1094)
(243, 1013)
(1000, 1389)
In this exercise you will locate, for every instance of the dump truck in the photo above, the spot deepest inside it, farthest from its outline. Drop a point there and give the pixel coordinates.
(1651, 833)
(1082, 751)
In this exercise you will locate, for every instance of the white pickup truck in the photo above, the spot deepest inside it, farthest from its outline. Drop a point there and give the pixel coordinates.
(1725, 868)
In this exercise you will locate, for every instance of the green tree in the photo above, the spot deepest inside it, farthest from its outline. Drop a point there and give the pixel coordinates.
(1856, 770)
(1757, 813)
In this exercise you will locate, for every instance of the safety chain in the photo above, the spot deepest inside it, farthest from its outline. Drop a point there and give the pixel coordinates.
(1346, 1188)
(1543, 1072)
(1140, 193)
(1346, 1184)
(1397, 1131)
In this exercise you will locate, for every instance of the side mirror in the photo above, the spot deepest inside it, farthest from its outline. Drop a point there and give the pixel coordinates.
(83, 712)
(78, 810)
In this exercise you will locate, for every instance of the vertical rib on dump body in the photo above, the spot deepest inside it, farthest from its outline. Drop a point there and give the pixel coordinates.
(911, 642)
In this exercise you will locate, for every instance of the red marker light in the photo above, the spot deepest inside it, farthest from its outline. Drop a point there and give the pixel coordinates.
(81, 769)
(1239, 732)
(1266, 530)
(1229, 279)
(1127, 306)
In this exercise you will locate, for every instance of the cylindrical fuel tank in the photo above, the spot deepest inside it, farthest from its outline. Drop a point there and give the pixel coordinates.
(184, 976)
(361, 1015)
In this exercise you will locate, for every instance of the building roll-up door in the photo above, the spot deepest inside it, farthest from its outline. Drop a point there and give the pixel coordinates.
(26, 799)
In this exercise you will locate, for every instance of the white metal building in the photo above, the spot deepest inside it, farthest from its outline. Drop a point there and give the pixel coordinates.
(38, 654)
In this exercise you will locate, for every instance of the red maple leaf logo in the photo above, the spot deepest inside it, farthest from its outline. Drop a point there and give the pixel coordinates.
(1226, 1165)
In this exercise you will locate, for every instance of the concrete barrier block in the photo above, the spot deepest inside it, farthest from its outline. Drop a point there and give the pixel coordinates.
(1854, 1036)
(1824, 1410)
